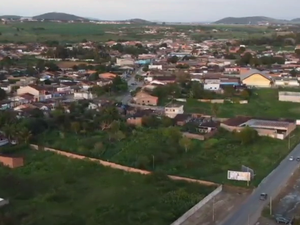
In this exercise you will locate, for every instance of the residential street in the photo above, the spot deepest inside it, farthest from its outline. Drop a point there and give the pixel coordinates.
(250, 211)
(125, 99)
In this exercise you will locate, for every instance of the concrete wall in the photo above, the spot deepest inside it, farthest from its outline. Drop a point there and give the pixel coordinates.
(200, 137)
(198, 206)
(286, 96)
(120, 167)
(11, 162)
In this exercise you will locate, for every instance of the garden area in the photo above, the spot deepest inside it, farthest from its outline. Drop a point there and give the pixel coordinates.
(164, 149)
(262, 103)
(51, 189)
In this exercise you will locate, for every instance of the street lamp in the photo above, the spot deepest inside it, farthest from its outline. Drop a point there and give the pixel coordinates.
(289, 142)
(153, 161)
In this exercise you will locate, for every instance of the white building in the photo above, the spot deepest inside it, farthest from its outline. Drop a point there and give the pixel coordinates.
(212, 84)
(291, 82)
(173, 109)
(83, 95)
(155, 67)
(289, 96)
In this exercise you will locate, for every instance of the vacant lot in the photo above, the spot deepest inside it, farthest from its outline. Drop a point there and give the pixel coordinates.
(263, 103)
(158, 150)
(52, 189)
(69, 32)
(218, 208)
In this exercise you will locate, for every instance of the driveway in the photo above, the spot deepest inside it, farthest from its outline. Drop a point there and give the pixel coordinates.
(250, 211)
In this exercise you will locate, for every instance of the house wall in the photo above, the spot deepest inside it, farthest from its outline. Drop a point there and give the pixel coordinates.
(291, 128)
(257, 80)
(83, 95)
(11, 161)
(146, 101)
(212, 87)
(29, 90)
(124, 62)
(158, 67)
(261, 132)
(135, 121)
(286, 83)
(173, 111)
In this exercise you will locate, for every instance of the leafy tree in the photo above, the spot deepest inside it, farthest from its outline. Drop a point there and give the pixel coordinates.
(173, 59)
(146, 68)
(215, 110)
(151, 121)
(245, 94)
(247, 135)
(185, 143)
(3, 94)
(75, 126)
(47, 82)
(24, 135)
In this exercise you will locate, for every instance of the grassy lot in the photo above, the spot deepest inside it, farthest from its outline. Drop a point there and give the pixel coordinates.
(72, 32)
(52, 189)
(263, 103)
(159, 150)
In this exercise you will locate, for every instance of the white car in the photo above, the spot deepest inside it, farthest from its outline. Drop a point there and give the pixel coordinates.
(291, 158)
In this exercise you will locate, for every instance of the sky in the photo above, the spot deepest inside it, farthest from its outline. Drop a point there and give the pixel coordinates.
(156, 10)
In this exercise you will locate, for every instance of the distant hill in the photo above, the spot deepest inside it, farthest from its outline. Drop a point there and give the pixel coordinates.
(139, 21)
(58, 16)
(249, 20)
(297, 20)
(12, 17)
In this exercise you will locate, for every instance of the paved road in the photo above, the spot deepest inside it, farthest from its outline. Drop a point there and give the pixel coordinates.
(126, 98)
(250, 211)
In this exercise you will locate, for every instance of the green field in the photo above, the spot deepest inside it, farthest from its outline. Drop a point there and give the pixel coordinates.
(70, 32)
(159, 150)
(263, 103)
(52, 189)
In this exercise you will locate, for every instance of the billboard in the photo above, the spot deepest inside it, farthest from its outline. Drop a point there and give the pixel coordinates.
(238, 175)
(248, 169)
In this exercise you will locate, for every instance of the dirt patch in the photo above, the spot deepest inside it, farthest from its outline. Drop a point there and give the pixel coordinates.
(218, 209)
(287, 203)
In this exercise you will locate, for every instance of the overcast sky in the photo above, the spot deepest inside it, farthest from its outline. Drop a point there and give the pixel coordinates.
(158, 10)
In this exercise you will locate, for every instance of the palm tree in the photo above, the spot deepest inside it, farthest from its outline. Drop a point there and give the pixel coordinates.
(8, 130)
(24, 135)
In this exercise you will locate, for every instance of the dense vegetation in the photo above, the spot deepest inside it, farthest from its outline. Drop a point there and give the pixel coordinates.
(262, 103)
(52, 189)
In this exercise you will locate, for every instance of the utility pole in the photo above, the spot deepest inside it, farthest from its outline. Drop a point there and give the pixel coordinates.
(270, 205)
(248, 219)
(289, 142)
(153, 161)
(213, 209)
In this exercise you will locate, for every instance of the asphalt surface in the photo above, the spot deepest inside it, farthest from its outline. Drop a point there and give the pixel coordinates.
(250, 211)
(126, 98)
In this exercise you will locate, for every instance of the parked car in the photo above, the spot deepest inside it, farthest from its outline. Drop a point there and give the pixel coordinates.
(283, 220)
(291, 158)
(263, 196)
(298, 159)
